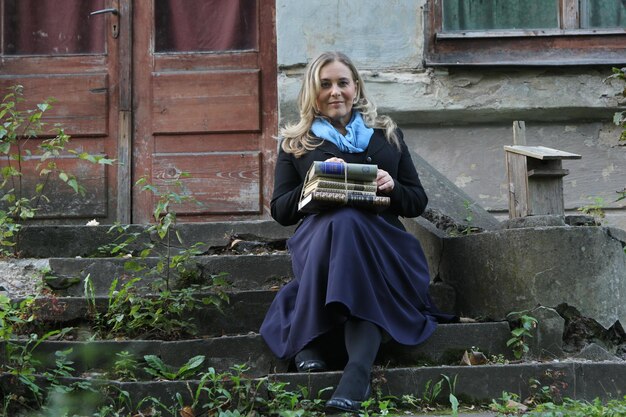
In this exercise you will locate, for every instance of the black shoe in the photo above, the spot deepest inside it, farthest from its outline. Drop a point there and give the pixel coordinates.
(346, 405)
(311, 365)
(308, 360)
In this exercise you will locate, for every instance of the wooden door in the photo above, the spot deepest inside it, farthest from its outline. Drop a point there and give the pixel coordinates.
(204, 103)
(59, 50)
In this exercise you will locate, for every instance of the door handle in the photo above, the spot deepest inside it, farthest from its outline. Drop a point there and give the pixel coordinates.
(115, 27)
(111, 10)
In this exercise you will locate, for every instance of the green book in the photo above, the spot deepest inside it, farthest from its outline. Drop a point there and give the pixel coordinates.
(318, 201)
(330, 184)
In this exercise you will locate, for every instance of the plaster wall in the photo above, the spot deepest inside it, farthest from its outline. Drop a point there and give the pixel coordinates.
(458, 119)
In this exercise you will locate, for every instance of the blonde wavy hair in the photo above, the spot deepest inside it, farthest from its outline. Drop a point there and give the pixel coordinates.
(296, 137)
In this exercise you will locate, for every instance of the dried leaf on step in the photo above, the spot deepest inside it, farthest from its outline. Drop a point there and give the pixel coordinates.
(465, 360)
(473, 358)
(514, 405)
(466, 320)
(235, 242)
(187, 412)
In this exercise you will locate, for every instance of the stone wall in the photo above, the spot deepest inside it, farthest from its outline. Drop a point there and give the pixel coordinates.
(458, 119)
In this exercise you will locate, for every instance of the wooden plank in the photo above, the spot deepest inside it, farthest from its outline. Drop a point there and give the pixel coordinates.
(519, 132)
(569, 16)
(189, 61)
(541, 152)
(546, 197)
(518, 185)
(268, 65)
(80, 106)
(222, 182)
(520, 33)
(547, 172)
(207, 142)
(53, 64)
(206, 101)
(124, 181)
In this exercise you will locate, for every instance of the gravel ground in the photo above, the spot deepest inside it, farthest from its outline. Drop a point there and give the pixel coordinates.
(21, 277)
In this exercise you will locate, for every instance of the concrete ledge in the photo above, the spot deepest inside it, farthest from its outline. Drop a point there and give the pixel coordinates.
(446, 346)
(474, 384)
(243, 313)
(244, 272)
(495, 273)
(71, 241)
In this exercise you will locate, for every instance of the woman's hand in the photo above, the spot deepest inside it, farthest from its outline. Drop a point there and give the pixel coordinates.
(335, 159)
(384, 182)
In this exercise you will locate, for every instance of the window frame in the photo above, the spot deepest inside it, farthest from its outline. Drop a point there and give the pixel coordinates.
(567, 45)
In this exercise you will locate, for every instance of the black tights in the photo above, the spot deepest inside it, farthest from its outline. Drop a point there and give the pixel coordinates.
(362, 339)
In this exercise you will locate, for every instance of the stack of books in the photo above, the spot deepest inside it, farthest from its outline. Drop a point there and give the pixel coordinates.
(332, 184)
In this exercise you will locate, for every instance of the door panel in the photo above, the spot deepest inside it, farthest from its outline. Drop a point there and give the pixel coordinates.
(233, 177)
(205, 101)
(80, 100)
(57, 50)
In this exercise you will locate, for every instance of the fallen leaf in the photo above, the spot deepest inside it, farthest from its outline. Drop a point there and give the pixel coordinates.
(473, 358)
(187, 412)
(514, 405)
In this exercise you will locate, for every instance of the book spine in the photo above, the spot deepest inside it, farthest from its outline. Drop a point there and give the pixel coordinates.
(338, 185)
(361, 199)
(361, 172)
(338, 191)
(351, 198)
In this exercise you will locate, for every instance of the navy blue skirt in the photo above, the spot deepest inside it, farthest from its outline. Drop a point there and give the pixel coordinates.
(351, 263)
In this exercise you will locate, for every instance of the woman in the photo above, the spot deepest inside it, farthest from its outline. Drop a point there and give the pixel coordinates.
(357, 273)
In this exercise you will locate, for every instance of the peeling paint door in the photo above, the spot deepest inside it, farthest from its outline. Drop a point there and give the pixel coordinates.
(204, 107)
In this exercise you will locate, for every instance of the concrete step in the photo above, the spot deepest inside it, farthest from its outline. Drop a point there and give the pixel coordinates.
(243, 312)
(73, 240)
(445, 346)
(242, 272)
(472, 384)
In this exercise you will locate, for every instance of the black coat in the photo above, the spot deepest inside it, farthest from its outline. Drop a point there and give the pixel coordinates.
(408, 198)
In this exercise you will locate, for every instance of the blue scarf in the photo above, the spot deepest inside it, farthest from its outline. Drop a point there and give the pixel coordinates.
(356, 139)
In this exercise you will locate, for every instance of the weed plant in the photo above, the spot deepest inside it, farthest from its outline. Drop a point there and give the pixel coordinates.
(18, 127)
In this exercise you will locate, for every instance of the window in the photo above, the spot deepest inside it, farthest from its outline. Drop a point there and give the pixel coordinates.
(526, 32)
(50, 27)
(209, 25)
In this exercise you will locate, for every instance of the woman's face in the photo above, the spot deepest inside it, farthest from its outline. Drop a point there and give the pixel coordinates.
(336, 94)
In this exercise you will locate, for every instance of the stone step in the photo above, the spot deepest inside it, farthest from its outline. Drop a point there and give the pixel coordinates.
(74, 240)
(472, 384)
(445, 346)
(243, 312)
(242, 272)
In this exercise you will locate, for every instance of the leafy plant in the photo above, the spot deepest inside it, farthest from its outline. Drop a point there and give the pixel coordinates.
(578, 408)
(520, 334)
(431, 392)
(454, 402)
(595, 209)
(157, 368)
(508, 403)
(125, 366)
(17, 128)
(469, 218)
(163, 315)
(164, 226)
